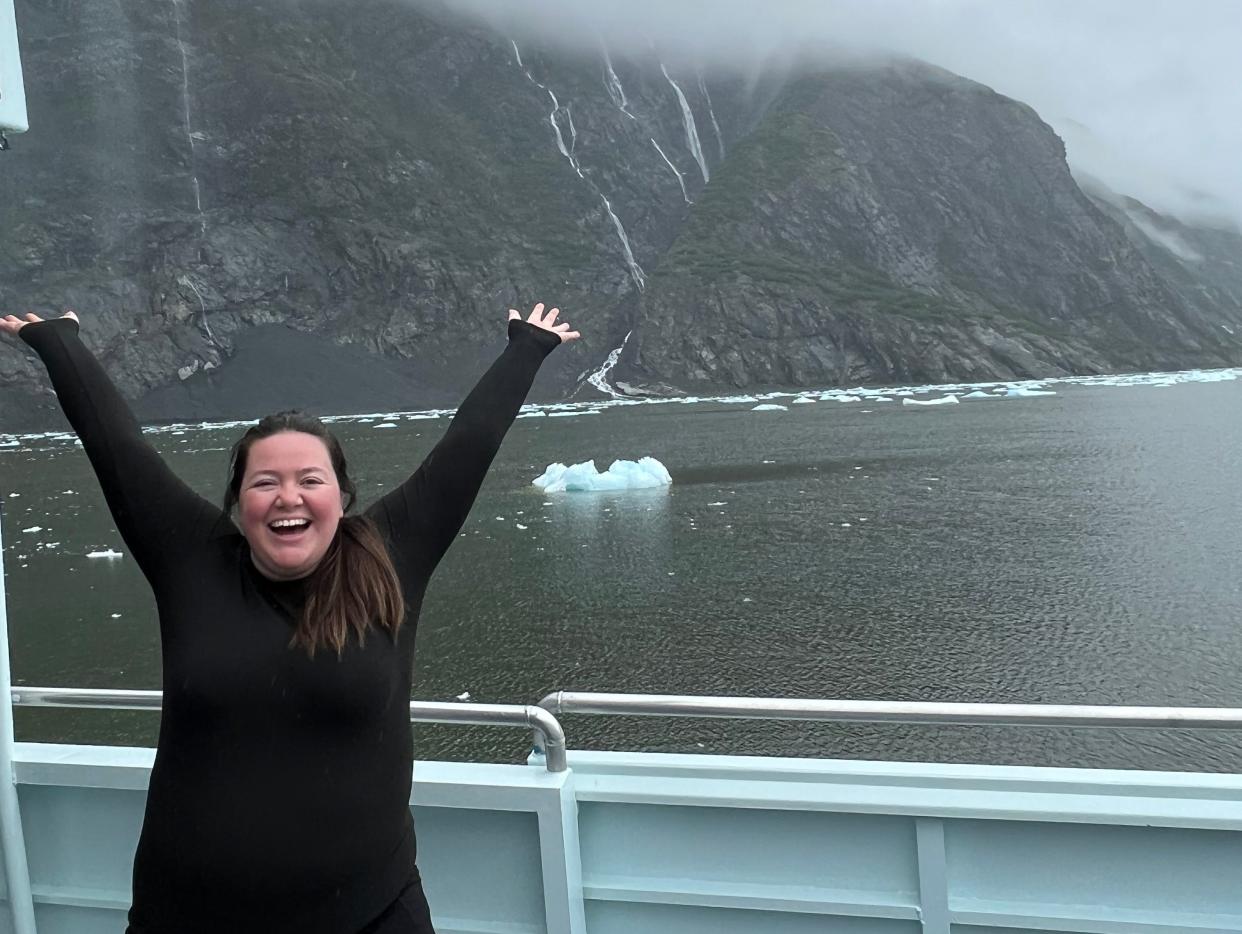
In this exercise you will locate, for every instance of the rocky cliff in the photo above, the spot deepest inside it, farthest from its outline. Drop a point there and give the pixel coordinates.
(261, 203)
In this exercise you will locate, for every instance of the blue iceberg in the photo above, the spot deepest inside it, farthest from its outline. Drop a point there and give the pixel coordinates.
(643, 474)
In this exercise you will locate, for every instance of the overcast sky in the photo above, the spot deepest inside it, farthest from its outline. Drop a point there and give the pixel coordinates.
(1146, 93)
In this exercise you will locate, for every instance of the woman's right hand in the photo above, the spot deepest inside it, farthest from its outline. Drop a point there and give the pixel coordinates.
(11, 324)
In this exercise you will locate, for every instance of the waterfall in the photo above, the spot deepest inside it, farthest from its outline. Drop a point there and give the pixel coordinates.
(612, 84)
(681, 179)
(716, 126)
(202, 305)
(573, 133)
(185, 106)
(599, 379)
(692, 135)
(636, 271)
(560, 139)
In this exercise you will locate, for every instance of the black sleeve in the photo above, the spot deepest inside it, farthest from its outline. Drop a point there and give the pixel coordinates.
(158, 516)
(421, 517)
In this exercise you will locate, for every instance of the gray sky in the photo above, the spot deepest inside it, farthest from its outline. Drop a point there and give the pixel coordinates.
(1146, 93)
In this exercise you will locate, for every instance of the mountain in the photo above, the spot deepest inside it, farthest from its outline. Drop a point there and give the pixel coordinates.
(297, 202)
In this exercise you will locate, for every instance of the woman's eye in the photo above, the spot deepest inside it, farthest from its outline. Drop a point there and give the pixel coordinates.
(314, 480)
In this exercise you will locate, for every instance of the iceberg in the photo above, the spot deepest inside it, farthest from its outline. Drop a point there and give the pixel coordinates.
(979, 394)
(769, 407)
(645, 473)
(1028, 391)
(950, 399)
(106, 553)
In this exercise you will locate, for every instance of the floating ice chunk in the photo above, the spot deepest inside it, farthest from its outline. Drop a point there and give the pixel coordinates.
(803, 400)
(464, 696)
(645, 473)
(1028, 391)
(106, 553)
(34, 528)
(533, 415)
(116, 615)
(520, 526)
(950, 399)
(571, 414)
(978, 394)
(770, 407)
(385, 425)
(881, 399)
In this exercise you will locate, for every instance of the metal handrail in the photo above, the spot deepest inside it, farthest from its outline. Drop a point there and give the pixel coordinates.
(551, 738)
(785, 708)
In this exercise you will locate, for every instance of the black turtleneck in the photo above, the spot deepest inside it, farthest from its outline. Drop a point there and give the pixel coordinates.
(279, 798)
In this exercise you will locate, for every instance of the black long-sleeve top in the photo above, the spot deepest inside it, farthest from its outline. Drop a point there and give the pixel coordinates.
(279, 797)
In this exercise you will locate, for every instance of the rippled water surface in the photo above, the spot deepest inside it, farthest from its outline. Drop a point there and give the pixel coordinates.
(1083, 547)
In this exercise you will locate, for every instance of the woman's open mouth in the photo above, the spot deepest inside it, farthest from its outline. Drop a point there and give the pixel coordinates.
(289, 528)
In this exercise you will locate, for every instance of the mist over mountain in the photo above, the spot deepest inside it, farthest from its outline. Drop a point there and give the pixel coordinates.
(262, 204)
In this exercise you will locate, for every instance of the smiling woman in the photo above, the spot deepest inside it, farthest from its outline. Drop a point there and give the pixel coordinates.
(291, 486)
(279, 798)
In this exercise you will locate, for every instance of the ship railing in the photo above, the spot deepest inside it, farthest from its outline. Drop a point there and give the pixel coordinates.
(550, 738)
(877, 711)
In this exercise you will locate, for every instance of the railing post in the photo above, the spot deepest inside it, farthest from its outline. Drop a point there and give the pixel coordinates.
(13, 841)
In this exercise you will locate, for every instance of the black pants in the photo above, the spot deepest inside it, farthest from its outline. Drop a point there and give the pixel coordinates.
(408, 914)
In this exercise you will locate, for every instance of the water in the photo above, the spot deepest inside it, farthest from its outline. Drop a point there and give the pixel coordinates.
(1077, 548)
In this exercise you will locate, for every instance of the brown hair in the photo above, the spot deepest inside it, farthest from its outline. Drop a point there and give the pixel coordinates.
(355, 585)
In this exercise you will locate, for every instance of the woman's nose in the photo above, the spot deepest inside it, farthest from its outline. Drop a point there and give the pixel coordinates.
(288, 497)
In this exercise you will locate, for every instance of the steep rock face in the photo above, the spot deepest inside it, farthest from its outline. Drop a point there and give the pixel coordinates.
(365, 173)
(1202, 264)
(378, 183)
(900, 223)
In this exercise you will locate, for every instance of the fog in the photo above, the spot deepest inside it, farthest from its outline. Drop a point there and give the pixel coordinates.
(1147, 94)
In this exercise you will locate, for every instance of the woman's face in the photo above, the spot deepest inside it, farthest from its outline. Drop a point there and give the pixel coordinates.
(289, 504)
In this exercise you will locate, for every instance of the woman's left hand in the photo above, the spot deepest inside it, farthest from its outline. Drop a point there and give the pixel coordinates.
(547, 321)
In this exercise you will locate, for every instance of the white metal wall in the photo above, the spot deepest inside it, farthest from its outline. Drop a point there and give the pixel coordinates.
(627, 842)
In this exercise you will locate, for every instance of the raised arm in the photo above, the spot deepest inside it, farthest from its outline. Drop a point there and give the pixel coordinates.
(422, 516)
(158, 516)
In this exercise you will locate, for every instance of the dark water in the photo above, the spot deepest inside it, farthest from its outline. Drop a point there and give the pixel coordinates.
(1078, 548)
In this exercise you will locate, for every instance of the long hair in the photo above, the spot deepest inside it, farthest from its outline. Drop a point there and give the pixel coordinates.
(355, 585)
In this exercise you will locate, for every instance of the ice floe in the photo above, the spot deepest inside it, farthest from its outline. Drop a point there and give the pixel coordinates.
(950, 399)
(770, 407)
(645, 473)
(106, 553)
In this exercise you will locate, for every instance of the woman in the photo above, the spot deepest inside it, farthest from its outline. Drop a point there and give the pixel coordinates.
(278, 801)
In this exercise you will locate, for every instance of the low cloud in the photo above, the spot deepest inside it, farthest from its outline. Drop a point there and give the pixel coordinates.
(1146, 93)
